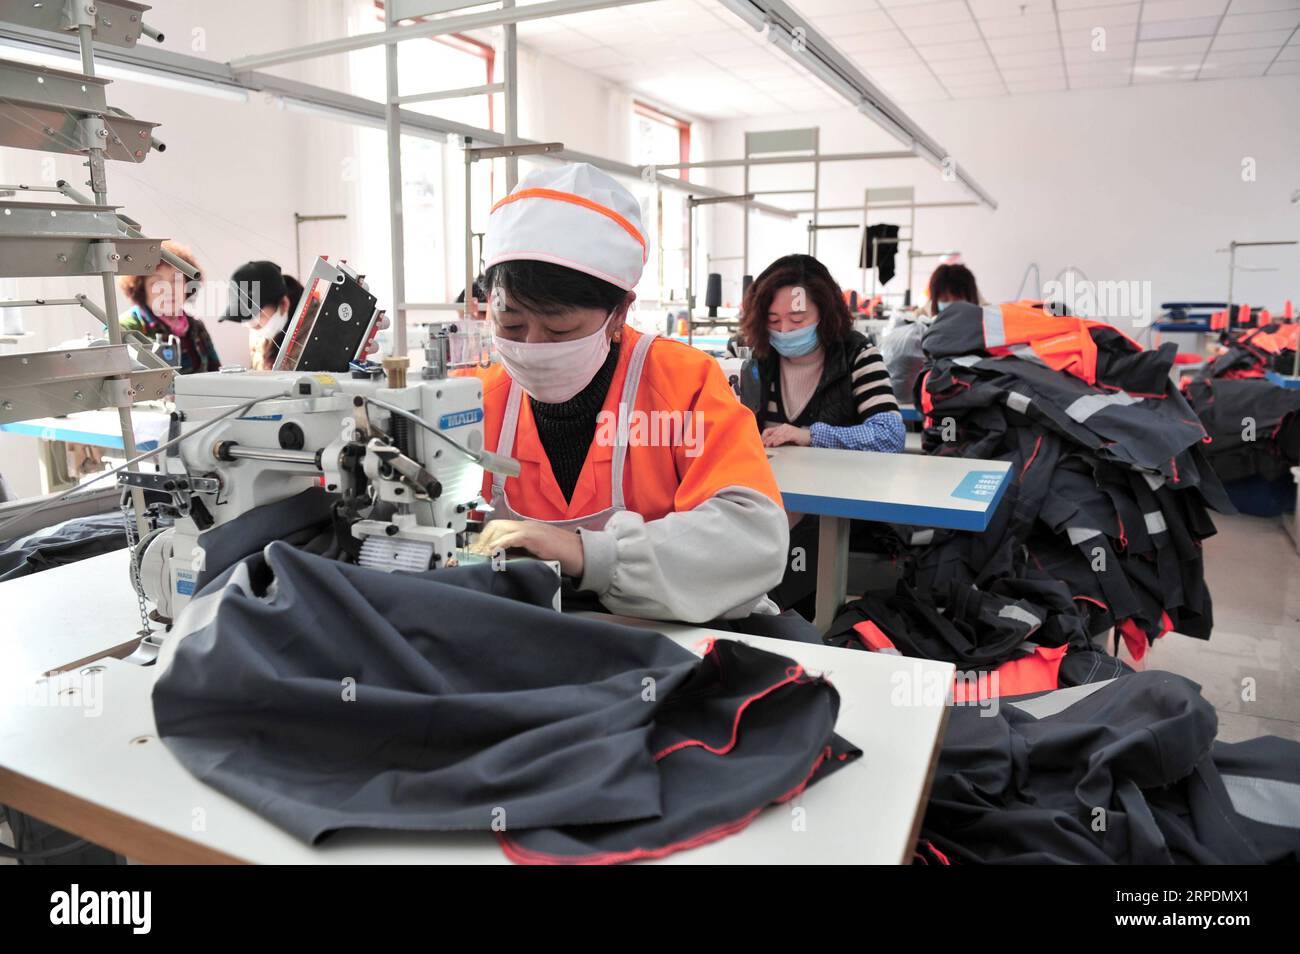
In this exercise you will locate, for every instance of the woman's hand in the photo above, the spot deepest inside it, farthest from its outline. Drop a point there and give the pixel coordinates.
(539, 539)
(787, 434)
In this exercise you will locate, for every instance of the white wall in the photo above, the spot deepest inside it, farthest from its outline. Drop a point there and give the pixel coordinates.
(1132, 184)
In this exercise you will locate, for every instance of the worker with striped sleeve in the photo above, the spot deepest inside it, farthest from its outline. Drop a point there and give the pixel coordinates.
(813, 381)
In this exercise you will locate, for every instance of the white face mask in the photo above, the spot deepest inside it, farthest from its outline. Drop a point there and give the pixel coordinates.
(274, 325)
(554, 371)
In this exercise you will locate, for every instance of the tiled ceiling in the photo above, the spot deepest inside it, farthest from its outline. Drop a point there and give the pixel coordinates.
(697, 56)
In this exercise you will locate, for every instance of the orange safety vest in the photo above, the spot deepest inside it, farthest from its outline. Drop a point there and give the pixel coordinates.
(1061, 343)
(675, 461)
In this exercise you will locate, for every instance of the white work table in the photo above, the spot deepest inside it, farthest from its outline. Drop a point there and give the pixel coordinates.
(97, 428)
(953, 493)
(108, 778)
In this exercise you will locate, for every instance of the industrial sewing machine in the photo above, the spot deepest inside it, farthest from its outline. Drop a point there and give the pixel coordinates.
(406, 461)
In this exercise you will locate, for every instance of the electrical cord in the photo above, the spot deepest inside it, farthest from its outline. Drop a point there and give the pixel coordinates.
(239, 409)
(496, 463)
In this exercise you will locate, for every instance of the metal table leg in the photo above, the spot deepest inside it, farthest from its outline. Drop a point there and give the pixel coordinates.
(832, 568)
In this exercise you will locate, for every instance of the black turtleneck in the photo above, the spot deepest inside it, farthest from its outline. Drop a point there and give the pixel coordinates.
(567, 429)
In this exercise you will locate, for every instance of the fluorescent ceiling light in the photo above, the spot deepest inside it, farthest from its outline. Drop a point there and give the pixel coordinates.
(56, 59)
(215, 90)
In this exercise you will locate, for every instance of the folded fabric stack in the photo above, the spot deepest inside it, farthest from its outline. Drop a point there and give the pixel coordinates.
(1110, 491)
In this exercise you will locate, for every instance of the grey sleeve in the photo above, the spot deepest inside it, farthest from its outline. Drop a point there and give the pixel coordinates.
(717, 560)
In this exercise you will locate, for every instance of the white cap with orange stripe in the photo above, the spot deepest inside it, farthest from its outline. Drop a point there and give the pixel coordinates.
(575, 216)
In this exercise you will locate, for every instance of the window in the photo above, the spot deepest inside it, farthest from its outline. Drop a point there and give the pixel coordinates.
(433, 196)
(449, 61)
(658, 138)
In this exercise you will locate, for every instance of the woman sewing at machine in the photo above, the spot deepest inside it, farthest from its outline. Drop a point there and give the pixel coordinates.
(681, 518)
(814, 381)
(158, 311)
(262, 295)
(817, 382)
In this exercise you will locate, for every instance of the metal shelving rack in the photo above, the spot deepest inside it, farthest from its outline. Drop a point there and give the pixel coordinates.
(65, 112)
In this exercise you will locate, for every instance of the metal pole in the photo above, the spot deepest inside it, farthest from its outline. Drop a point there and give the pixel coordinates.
(469, 225)
(510, 79)
(817, 181)
(99, 186)
(298, 219)
(462, 23)
(866, 214)
(690, 268)
(744, 249)
(911, 244)
(462, 92)
(1232, 271)
(396, 220)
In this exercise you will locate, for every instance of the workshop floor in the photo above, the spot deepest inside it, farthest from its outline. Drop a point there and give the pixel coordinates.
(1253, 572)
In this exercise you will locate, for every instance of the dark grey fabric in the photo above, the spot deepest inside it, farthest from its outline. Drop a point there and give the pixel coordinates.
(62, 544)
(1127, 774)
(325, 695)
(302, 520)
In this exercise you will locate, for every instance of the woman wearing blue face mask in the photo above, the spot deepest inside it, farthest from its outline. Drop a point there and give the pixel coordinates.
(815, 381)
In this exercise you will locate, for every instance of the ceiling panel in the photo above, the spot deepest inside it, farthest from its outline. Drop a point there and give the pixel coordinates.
(945, 52)
(1268, 39)
(942, 33)
(1186, 47)
(1172, 29)
(860, 21)
(1121, 15)
(1262, 6)
(1019, 26)
(1253, 22)
(1156, 10)
(932, 14)
(867, 42)
(994, 9)
(699, 57)
(957, 68)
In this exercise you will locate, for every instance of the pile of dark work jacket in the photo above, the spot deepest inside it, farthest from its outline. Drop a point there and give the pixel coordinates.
(1068, 756)
(1253, 422)
(1100, 526)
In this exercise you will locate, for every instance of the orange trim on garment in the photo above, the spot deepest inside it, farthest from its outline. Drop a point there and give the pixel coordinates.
(1037, 672)
(578, 200)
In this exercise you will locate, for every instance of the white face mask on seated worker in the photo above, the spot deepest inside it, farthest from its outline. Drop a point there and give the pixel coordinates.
(554, 371)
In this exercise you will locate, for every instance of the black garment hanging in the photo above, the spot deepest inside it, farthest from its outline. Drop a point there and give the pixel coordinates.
(875, 237)
(328, 696)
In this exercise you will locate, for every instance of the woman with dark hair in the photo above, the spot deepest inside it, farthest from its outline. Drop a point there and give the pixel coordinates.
(158, 311)
(952, 282)
(262, 295)
(815, 381)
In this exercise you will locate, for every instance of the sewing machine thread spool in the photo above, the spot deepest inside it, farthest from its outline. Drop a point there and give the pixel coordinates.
(395, 370)
(713, 294)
